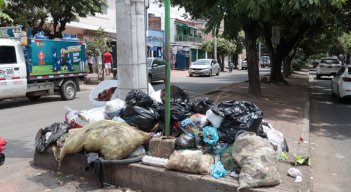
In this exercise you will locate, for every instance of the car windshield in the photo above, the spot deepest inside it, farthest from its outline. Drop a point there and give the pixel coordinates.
(330, 61)
(202, 62)
(265, 58)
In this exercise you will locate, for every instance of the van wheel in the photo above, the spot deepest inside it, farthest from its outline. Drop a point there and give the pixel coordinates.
(149, 78)
(34, 98)
(68, 90)
(318, 76)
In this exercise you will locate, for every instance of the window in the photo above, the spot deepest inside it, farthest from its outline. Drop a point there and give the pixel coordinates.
(330, 61)
(7, 55)
(341, 71)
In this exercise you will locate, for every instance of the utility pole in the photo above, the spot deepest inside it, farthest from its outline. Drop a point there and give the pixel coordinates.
(214, 44)
(131, 69)
(168, 67)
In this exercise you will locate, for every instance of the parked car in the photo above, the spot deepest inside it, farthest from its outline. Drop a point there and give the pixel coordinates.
(341, 83)
(244, 64)
(156, 69)
(204, 67)
(265, 61)
(328, 67)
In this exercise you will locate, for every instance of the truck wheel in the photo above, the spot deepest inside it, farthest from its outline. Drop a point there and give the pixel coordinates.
(68, 90)
(34, 98)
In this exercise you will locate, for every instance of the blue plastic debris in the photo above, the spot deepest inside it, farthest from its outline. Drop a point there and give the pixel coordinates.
(210, 135)
(217, 170)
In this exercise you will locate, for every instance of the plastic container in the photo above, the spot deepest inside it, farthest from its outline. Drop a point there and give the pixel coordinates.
(100, 88)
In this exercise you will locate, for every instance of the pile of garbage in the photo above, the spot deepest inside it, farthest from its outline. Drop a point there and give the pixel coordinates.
(220, 139)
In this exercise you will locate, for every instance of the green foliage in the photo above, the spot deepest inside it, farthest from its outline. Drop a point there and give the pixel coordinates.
(224, 46)
(3, 16)
(345, 41)
(34, 13)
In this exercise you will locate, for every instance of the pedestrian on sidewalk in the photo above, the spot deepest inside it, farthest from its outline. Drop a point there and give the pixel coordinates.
(108, 62)
(90, 60)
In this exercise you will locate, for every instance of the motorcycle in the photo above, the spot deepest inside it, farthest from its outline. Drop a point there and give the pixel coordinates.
(231, 66)
(3, 143)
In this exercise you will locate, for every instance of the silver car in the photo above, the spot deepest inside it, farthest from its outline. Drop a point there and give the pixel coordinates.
(204, 67)
(156, 69)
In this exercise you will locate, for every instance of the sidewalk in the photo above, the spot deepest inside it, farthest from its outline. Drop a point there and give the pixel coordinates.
(286, 107)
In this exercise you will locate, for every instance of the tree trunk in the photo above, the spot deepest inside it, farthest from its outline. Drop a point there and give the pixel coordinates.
(276, 69)
(251, 35)
(97, 64)
(222, 63)
(287, 66)
(235, 60)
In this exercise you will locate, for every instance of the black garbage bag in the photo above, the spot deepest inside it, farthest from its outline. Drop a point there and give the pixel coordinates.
(144, 119)
(179, 111)
(178, 95)
(201, 105)
(56, 130)
(238, 116)
(138, 98)
(185, 141)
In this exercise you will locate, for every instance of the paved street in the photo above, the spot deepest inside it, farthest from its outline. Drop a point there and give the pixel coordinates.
(330, 136)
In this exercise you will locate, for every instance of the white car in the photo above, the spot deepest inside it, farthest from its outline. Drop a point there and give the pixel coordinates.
(204, 67)
(341, 83)
(244, 64)
(328, 67)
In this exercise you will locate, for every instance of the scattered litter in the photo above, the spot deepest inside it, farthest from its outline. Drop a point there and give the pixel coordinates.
(295, 173)
(302, 160)
(284, 156)
(339, 156)
(39, 174)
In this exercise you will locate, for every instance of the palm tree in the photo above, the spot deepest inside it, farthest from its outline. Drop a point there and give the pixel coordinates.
(3, 16)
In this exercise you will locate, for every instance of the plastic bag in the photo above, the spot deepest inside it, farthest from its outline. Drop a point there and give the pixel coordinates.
(143, 119)
(190, 161)
(201, 105)
(275, 137)
(215, 119)
(256, 157)
(75, 118)
(96, 114)
(43, 140)
(199, 120)
(238, 115)
(295, 173)
(114, 108)
(178, 95)
(185, 141)
(137, 152)
(138, 98)
(210, 135)
(104, 85)
(156, 96)
(179, 112)
(113, 140)
(217, 170)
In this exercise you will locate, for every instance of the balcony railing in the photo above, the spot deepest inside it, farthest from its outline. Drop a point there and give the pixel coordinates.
(188, 38)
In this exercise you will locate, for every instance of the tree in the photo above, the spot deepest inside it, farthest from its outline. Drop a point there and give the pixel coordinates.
(61, 12)
(224, 48)
(98, 47)
(3, 16)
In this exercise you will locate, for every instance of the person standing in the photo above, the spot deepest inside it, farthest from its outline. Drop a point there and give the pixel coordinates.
(90, 63)
(108, 62)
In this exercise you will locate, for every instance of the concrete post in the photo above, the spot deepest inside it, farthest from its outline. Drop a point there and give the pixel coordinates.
(131, 49)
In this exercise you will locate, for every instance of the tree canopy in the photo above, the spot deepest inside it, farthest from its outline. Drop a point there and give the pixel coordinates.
(3, 16)
(35, 13)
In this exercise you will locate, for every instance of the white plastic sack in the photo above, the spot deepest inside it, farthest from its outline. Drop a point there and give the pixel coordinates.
(114, 108)
(274, 136)
(100, 88)
(215, 120)
(156, 96)
(96, 114)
